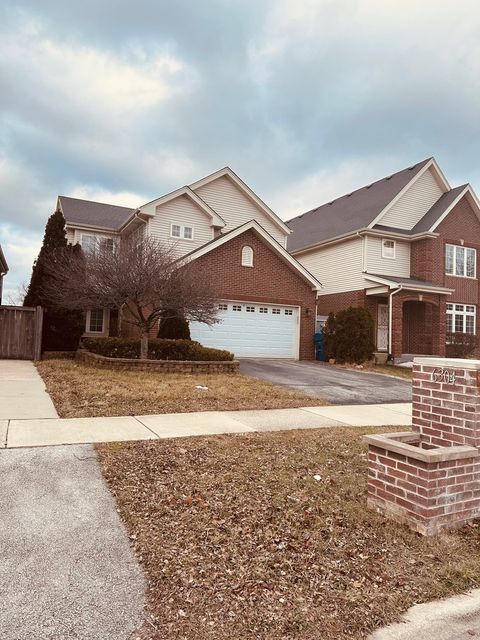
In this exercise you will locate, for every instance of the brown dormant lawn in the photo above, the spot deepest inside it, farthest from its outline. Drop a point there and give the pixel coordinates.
(80, 390)
(267, 537)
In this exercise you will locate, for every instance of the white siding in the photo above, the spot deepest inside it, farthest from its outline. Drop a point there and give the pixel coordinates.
(181, 211)
(235, 208)
(70, 235)
(414, 203)
(398, 266)
(338, 266)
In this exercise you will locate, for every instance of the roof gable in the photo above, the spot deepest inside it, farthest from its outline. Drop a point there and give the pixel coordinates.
(226, 172)
(150, 207)
(350, 213)
(3, 262)
(415, 199)
(274, 245)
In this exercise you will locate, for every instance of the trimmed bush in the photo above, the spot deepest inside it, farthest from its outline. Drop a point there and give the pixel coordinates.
(349, 335)
(173, 327)
(157, 349)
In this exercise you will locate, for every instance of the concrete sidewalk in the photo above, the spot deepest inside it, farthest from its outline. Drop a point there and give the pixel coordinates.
(43, 432)
(22, 392)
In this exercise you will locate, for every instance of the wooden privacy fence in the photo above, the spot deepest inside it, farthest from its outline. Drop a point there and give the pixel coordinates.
(21, 332)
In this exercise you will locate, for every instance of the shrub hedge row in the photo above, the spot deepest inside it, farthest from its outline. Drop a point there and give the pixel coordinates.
(158, 349)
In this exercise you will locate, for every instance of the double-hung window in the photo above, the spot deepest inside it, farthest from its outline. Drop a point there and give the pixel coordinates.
(461, 318)
(388, 248)
(181, 231)
(460, 261)
(91, 243)
(94, 321)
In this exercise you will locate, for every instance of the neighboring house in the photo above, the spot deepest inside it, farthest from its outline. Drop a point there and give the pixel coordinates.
(405, 247)
(267, 297)
(3, 271)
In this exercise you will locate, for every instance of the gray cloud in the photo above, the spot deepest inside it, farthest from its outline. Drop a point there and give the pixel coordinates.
(305, 99)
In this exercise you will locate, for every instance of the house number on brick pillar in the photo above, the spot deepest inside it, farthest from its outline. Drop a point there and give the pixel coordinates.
(444, 375)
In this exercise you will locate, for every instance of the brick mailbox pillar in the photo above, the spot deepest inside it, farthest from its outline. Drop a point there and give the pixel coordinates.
(429, 478)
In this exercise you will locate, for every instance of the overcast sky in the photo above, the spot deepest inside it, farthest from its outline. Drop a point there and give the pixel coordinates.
(122, 101)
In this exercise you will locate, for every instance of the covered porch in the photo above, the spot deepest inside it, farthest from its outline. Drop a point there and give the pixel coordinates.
(409, 314)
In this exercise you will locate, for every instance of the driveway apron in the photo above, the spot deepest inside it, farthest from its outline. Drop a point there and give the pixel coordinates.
(66, 567)
(333, 384)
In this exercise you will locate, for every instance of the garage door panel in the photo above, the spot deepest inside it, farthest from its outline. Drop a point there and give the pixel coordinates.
(270, 333)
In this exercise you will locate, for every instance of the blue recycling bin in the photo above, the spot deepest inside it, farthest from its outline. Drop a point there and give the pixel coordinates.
(320, 347)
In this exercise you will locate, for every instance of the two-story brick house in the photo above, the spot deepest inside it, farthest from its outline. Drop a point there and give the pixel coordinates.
(268, 298)
(406, 247)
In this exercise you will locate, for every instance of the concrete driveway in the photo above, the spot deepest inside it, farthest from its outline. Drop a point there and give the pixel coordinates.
(67, 571)
(333, 384)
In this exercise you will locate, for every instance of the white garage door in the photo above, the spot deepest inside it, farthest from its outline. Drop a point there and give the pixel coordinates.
(252, 329)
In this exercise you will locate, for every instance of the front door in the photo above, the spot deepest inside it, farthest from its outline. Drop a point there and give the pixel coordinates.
(382, 327)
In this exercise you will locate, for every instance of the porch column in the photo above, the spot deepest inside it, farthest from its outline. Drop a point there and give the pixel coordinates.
(439, 327)
(396, 331)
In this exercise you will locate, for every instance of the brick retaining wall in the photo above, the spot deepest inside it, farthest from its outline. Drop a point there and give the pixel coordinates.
(163, 366)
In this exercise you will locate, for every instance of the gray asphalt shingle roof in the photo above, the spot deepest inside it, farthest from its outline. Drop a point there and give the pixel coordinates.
(350, 212)
(413, 282)
(95, 214)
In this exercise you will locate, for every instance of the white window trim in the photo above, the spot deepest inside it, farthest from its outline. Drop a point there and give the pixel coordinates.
(98, 238)
(456, 275)
(464, 313)
(182, 231)
(87, 323)
(394, 248)
(247, 249)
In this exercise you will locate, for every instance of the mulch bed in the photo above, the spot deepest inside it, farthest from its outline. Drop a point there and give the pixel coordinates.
(267, 536)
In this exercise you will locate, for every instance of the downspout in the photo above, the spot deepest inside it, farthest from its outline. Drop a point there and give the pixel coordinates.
(390, 318)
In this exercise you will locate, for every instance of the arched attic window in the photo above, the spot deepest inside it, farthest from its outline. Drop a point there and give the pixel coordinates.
(247, 256)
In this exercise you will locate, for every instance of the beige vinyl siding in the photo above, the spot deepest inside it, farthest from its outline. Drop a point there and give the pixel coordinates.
(337, 266)
(398, 266)
(414, 203)
(235, 208)
(181, 211)
(70, 235)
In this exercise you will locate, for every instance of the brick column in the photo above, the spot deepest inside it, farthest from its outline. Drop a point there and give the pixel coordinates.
(446, 401)
(397, 325)
(439, 327)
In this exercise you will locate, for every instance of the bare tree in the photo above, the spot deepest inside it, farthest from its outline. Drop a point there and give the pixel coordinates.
(140, 277)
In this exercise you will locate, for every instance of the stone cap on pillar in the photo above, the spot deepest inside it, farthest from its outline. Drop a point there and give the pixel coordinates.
(459, 363)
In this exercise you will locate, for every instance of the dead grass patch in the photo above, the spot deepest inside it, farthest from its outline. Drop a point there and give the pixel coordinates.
(267, 536)
(386, 369)
(81, 391)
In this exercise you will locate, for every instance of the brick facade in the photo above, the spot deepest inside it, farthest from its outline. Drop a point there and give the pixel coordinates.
(270, 280)
(430, 478)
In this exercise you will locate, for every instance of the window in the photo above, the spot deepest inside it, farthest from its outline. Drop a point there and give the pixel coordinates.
(223, 307)
(460, 261)
(95, 321)
(461, 318)
(184, 232)
(276, 312)
(247, 256)
(237, 307)
(289, 312)
(263, 310)
(251, 309)
(91, 243)
(388, 248)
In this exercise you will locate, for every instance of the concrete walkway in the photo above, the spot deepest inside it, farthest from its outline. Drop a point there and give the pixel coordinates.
(456, 618)
(67, 569)
(43, 432)
(22, 392)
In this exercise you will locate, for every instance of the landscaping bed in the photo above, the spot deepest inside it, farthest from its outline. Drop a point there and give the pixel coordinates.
(79, 390)
(385, 369)
(267, 536)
